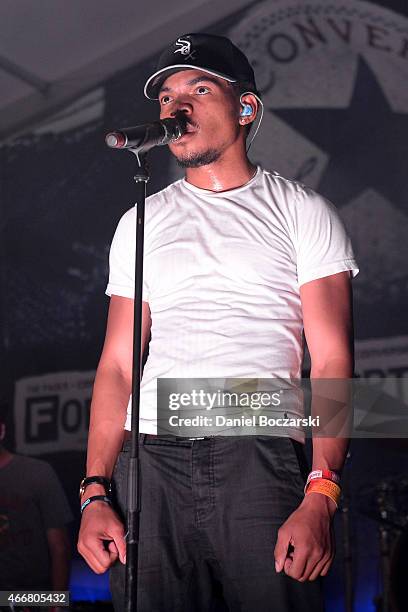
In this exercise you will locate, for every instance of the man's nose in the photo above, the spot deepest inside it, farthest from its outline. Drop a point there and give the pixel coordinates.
(181, 107)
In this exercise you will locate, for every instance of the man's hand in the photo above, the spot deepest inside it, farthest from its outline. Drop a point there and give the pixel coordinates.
(101, 537)
(308, 534)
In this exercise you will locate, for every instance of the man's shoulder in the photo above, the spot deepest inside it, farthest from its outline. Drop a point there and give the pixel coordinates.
(30, 463)
(294, 192)
(275, 179)
(154, 203)
(28, 469)
(165, 193)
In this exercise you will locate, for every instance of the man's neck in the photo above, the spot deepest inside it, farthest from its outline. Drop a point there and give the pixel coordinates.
(221, 175)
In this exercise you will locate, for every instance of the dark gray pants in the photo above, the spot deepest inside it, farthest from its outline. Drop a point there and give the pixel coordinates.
(210, 511)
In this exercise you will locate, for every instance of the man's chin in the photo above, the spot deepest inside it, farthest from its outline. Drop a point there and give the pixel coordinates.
(197, 159)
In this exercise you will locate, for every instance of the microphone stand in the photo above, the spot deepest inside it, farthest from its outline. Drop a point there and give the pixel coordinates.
(139, 140)
(134, 490)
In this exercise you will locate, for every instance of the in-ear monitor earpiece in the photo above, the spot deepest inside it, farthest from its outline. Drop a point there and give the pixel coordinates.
(246, 110)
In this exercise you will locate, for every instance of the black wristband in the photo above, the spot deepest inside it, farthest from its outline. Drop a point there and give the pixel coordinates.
(105, 482)
(93, 499)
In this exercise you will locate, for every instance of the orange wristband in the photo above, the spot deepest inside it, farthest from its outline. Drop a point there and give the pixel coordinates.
(326, 487)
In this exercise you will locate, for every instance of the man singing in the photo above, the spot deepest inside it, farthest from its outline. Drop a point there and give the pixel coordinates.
(237, 262)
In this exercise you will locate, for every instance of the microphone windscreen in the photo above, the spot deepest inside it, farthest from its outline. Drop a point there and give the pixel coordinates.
(116, 140)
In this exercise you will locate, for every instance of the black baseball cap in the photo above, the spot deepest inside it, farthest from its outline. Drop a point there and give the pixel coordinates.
(216, 55)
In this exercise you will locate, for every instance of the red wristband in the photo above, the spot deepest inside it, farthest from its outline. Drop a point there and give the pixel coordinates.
(325, 474)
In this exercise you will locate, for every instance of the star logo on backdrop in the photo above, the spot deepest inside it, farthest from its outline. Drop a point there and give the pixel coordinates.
(367, 142)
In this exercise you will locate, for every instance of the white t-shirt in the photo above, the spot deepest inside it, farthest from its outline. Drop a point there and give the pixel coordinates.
(222, 273)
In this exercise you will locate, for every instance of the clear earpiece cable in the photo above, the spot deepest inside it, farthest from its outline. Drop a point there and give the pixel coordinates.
(260, 115)
(259, 122)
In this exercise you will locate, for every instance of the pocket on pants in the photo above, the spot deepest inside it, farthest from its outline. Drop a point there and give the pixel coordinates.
(291, 460)
(295, 462)
(120, 481)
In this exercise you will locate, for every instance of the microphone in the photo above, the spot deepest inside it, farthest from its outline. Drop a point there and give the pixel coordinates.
(149, 135)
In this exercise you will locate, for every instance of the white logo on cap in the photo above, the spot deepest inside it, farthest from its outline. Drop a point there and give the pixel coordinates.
(185, 46)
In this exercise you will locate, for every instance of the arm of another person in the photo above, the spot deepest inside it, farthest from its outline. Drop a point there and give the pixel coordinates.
(328, 325)
(110, 397)
(60, 557)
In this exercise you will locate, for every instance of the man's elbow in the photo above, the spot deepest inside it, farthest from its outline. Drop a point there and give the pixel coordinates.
(333, 366)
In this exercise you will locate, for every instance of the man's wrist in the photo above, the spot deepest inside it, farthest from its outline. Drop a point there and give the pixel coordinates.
(320, 503)
(90, 480)
(92, 489)
(95, 499)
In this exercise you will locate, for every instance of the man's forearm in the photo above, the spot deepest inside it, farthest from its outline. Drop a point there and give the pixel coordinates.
(60, 563)
(108, 413)
(60, 555)
(99, 522)
(331, 394)
(329, 453)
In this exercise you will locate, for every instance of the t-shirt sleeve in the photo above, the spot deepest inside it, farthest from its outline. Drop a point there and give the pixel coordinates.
(122, 259)
(322, 244)
(54, 507)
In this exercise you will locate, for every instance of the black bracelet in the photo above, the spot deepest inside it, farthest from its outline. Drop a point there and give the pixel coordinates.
(94, 498)
(88, 480)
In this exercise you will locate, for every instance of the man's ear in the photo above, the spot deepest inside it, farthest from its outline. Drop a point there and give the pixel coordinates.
(248, 99)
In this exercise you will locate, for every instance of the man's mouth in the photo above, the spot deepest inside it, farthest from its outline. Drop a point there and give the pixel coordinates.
(191, 127)
(190, 130)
